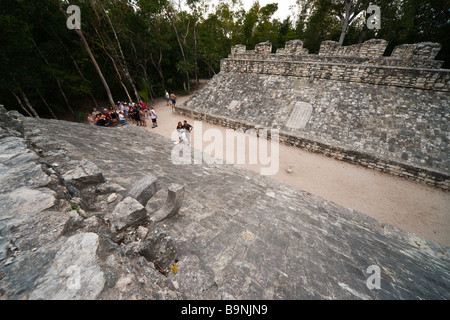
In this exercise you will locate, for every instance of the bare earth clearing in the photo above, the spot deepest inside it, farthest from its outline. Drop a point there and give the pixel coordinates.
(408, 205)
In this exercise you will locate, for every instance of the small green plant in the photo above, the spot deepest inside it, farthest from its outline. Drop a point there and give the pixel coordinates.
(81, 116)
(75, 207)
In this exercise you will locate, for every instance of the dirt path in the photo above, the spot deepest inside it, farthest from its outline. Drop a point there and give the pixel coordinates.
(410, 206)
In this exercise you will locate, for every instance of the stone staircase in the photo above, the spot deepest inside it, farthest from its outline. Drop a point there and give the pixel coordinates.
(237, 235)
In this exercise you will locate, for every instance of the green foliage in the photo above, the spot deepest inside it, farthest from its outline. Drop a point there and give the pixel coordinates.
(81, 116)
(39, 54)
(144, 91)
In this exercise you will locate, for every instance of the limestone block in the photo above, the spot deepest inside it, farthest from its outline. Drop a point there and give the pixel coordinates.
(17, 205)
(172, 205)
(295, 47)
(238, 49)
(263, 48)
(84, 172)
(74, 274)
(328, 47)
(128, 212)
(144, 189)
(422, 51)
(159, 248)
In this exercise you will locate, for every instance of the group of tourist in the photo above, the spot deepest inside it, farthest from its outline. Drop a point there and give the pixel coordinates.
(184, 132)
(137, 113)
(171, 99)
(106, 118)
(122, 114)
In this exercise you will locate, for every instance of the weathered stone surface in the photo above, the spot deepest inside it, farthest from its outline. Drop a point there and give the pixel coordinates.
(410, 66)
(367, 109)
(18, 204)
(8, 123)
(84, 172)
(19, 165)
(354, 122)
(159, 248)
(172, 205)
(30, 234)
(284, 244)
(127, 213)
(74, 274)
(141, 232)
(144, 189)
(36, 239)
(74, 223)
(156, 202)
(111, 198)
(195, 277)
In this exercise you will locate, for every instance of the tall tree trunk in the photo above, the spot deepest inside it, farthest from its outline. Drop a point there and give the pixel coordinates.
(74, 62)
(100, 74)
(158, 68)
(345, 23)
(195, 54)
(123, 64)
(115, 66)
(28, 104)
(46, 104)
(181, 48)
(88, 50)
(54, 76)
(351, 11)
(147, 81)
(362, 35)
(21, 104)
(210, 68)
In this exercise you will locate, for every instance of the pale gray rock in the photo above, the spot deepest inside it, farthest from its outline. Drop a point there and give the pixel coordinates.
(144, 189)
(84, 172)
(172, 205)
(9, 121)
(17, 205)
(156, 202)
(105, 188)
(111, 198)
(112, 262)
(74, 274)
(159, 248)
(19, 166)
(92, 221)
(141, 232)
(128, 212)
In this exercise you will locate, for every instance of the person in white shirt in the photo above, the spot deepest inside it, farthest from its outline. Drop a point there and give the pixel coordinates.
(167, 98)
(154, 117)
(122, 118)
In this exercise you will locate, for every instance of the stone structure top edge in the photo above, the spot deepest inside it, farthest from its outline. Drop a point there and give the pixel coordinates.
(373, 48)
(326, 63)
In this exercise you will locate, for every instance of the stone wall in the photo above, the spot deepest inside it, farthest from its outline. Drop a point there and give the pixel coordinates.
(371, 48)
(410, 66)
(346, 107)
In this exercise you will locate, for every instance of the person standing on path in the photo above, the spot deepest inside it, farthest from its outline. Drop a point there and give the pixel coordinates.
(188, 129)
(173, 97)
(167, 98)
(154, 117)
(181, 133)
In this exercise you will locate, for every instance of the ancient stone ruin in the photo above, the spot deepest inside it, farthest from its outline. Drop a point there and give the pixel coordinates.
(89, 212)
(388, 113)
(60, 209)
